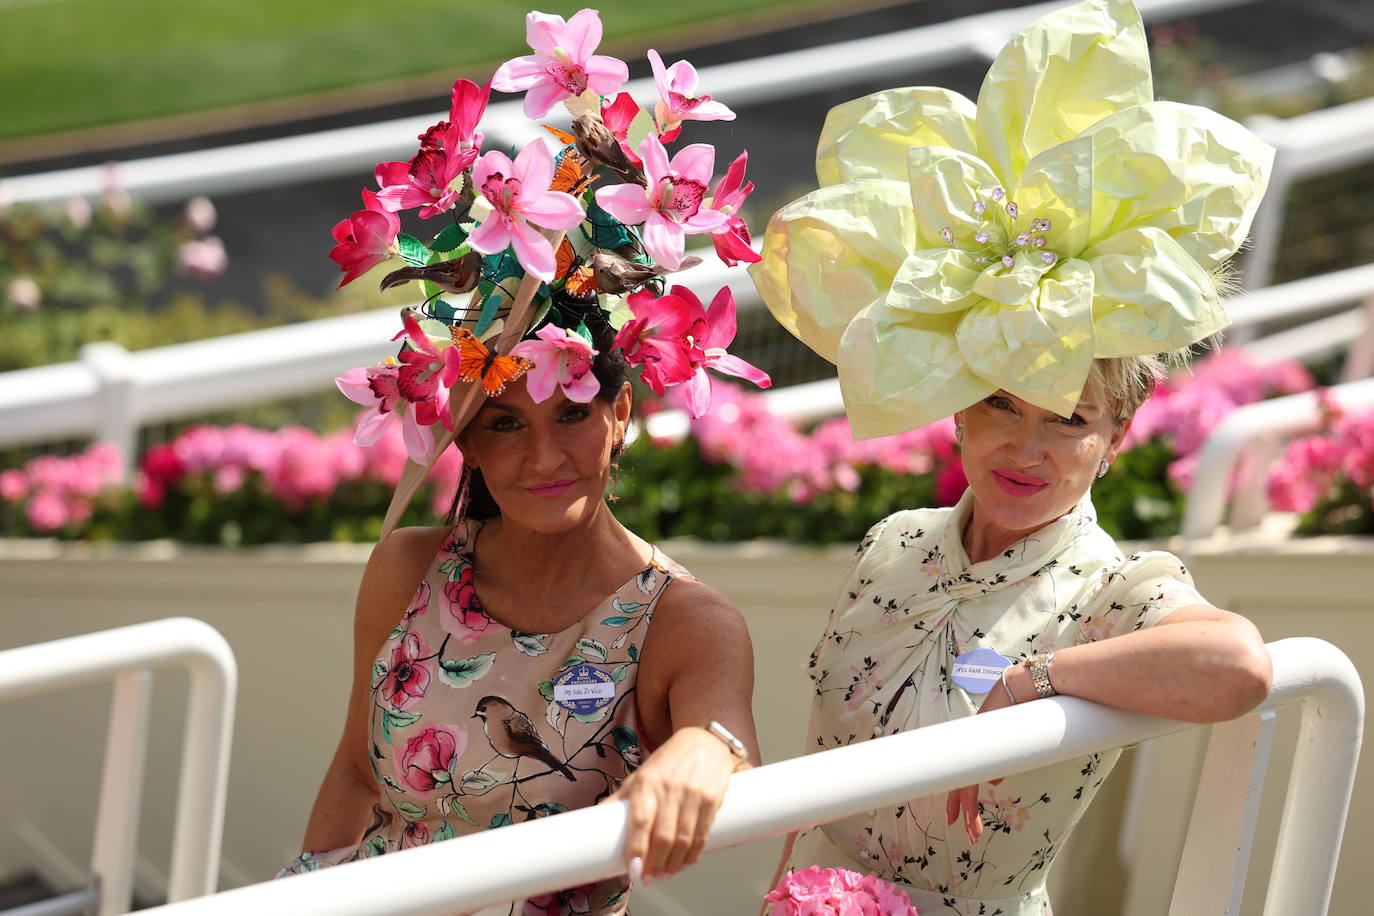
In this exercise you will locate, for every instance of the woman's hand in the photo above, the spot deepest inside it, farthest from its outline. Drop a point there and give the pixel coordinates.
(965, 801)
(673, 800)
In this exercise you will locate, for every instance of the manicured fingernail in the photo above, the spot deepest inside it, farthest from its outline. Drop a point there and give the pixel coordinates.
(636, 870)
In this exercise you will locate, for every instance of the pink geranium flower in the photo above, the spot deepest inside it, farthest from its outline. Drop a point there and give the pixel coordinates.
(562, 359)
(659, 336)
(408, 676)
(365, 238)
(732, 241)
(713, 336)
(562, 65)
(431, 180)
(677, 98)
(673, 204)
(519, 195)
(378, 388)
(428, 758)
(817, 891)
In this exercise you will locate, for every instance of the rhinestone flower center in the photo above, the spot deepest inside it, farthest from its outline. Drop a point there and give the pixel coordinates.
(991, 243)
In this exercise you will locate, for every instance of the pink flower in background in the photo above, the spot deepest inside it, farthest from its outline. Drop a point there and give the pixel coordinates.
(408, 674)
(562, 359)
(23, 293)
(677, 98)
(563, 64)
(673, 205)
(519, 195)
(732, 240)
(817, 891)
(14, 486)
(657, 336)
(203, 257)
(714, 334)
(364, 239)
(47, 511)
(200, 214)
(427, 761)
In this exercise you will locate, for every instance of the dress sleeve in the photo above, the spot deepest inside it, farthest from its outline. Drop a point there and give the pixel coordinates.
(851, 583)
(1138, 593)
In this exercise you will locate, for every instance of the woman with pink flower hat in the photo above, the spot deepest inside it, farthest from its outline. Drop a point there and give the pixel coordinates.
(1016, 264)
(506, 667)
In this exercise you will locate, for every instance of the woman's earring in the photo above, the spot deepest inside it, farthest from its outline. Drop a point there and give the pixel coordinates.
(615, 472)
(1102, 469)
(959, 433)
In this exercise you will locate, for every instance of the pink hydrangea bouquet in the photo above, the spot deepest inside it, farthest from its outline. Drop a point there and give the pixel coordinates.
(575, 232)
(817, 891)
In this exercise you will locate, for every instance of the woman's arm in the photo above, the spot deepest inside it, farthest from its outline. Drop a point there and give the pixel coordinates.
(1199, 664)
(697, 666)
(342, 808)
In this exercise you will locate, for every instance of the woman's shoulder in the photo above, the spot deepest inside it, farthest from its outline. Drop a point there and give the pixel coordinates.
(398, 563)
(903, 531)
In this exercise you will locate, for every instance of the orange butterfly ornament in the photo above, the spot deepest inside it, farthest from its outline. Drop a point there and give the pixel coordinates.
(476, 362)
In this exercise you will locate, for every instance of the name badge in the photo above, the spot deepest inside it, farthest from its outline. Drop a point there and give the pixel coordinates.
(979, 670)
(583, 689)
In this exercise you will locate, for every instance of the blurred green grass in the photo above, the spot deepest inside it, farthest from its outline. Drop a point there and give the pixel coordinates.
(68, 64)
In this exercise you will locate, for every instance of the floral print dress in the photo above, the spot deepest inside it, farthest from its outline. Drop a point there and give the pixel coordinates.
(911, 604)
(475, 726)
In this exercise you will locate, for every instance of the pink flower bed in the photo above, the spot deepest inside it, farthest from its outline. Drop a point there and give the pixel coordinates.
(58, 492)
(1313, 466)
(817, 891)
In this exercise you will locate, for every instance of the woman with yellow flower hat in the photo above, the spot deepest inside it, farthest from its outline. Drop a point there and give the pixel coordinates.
(1021, 264)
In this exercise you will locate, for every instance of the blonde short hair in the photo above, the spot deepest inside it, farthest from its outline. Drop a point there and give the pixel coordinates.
(1122, 384)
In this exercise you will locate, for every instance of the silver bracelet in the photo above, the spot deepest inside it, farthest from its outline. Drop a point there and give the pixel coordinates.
(736, 746)
(1040, 674)
(1007, 687)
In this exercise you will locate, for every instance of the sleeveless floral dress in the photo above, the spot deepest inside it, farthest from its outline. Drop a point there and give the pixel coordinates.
(475, 726)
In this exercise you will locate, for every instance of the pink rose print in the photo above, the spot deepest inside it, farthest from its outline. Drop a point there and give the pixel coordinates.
(463, 615)
(560, 903)
(427, 760)
(415, 834)
(409, 676)
(420, 603)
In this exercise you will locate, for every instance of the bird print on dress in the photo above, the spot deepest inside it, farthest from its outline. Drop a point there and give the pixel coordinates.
(512, 734)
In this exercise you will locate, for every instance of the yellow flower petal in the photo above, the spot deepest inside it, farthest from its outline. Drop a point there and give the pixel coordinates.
(1057, 185)
(1059, 76)
(945, 184)
(1181, 168)
(935, 281)
(1150, 295)
(1040, 352)
(900, 370)
(869, 137)
(831, 254)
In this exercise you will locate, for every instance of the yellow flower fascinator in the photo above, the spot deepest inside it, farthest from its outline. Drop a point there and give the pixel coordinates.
(954, 249)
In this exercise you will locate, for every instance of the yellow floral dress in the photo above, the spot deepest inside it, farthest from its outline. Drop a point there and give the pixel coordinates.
(910, 605)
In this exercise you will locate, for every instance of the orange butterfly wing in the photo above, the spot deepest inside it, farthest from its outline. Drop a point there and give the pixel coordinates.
(563, 258)
(582, 282)
(477, 362)
(567, 138)
(501, 371)
(571, 174)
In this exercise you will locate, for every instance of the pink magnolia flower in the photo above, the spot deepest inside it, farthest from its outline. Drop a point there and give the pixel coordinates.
(408, 677)
(379, 388)
(519, 195)
(673, 204)
(562, 65)
(618, 116)
(658, 337)
(427, 761)
(711, 338)
(677, 99)
(561, 358)
(732, 240)
(365, 238)
(431, 180)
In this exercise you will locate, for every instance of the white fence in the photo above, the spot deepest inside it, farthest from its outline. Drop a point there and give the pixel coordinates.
(582, 846)
(128, 655)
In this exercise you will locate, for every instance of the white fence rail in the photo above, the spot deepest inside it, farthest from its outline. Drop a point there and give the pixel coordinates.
(582, 846)
(127, 656)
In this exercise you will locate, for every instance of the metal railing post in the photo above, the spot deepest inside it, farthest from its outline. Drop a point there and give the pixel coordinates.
(121, 791)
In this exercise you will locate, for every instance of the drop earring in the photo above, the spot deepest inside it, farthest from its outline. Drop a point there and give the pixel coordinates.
(615, 473)
(1102, 469)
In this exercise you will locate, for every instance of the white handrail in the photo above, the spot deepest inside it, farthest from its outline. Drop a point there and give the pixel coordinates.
(127, 655)
(1255, 431)
(572, 849)
(355, 150)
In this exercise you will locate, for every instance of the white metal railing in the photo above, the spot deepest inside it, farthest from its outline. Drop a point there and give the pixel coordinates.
(572, 849)
(127, 655)
(355, 150)
(1254, 434)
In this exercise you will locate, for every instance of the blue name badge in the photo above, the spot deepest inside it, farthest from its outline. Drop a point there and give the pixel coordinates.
(583, 689)
(978, 671)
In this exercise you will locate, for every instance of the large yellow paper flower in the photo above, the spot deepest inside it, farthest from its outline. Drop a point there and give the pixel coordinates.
(955, 249)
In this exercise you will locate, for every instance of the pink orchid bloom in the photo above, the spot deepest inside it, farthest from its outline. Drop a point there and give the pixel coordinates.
(562, 65)
(732, 240)
(618, 116)
(425, 365)
(561, 358)
(365, 238)
(431, 180)
(659, 336)
(677, 99)
(378, 388)
(519, 194)
(672, 206)
(709, 353)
